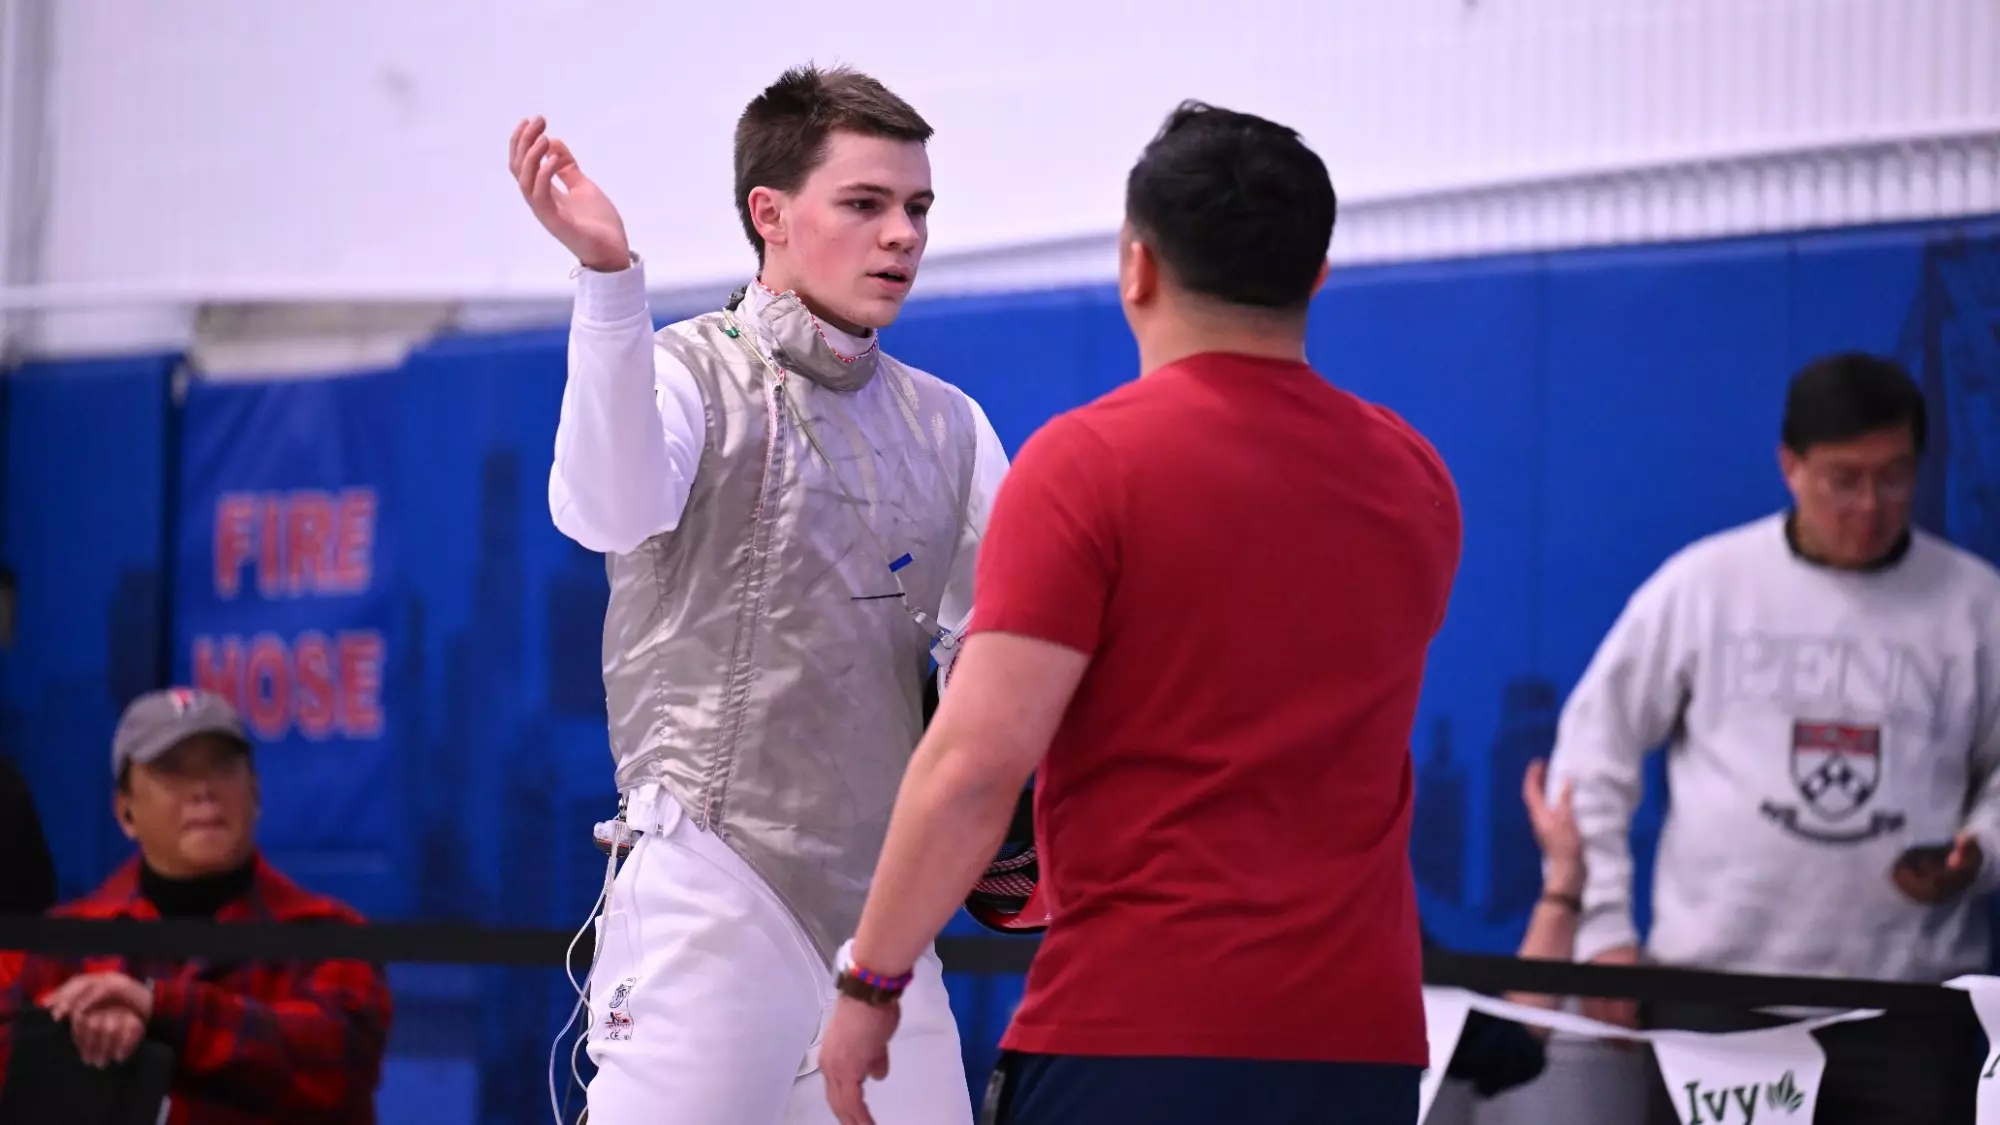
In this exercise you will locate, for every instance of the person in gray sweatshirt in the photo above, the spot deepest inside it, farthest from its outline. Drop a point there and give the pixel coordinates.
(1826, 685)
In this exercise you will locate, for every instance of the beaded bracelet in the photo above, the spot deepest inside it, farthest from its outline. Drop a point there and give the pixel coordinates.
(867, 985)
(876, 980)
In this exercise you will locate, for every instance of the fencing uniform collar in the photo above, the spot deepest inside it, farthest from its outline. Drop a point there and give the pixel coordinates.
(806, 344)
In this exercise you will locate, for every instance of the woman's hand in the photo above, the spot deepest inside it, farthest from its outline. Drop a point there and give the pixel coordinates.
(1555, 832)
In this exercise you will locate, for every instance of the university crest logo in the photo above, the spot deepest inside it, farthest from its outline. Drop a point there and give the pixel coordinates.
(1836, 768)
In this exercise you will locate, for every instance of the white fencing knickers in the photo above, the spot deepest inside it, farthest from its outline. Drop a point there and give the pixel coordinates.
(707, 1001)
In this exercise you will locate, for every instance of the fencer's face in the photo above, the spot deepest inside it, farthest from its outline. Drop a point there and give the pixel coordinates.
(192, 809)
(849, 240)
(1853, 498)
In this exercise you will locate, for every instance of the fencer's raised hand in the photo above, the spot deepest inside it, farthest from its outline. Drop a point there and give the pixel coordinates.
(564, 200)
(854, 1049)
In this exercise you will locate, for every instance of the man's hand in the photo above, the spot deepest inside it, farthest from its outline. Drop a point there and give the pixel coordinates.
(106, 1012)
(107, 1036)
(99, 990)
(1614, 1010)
(1932, 879)
(568, 204)
(856, 1047)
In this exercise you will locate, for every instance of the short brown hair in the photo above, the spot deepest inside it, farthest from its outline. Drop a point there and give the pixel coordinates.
(782, 135)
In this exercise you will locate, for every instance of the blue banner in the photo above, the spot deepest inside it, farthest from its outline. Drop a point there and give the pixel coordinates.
(285, 599)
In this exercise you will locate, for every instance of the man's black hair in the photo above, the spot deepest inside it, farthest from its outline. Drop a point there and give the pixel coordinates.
(1848, 395)
(1234, 206)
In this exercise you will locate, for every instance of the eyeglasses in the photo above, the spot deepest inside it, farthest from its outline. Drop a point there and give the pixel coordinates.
(1851, 490)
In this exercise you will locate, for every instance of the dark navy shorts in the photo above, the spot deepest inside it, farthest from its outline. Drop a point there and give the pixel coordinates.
(1089, 1090)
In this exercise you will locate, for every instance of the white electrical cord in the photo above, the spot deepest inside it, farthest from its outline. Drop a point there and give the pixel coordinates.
(618, 837)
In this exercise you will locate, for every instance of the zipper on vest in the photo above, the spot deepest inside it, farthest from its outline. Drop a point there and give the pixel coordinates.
(771, 417)
(715, 784)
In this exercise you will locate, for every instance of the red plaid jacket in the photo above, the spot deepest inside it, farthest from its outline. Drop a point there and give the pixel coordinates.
(254, 1042)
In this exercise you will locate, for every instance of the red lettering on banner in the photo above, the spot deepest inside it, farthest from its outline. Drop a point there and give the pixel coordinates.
(221, 677)
(320, 687)
(270, 580)
(315, 689)
(234, 513)
(361, 683)
(267, 687)
(308, 539)
(306, 542)
(354, 540)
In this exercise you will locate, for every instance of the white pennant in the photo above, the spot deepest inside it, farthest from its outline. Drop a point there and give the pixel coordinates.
(1984, 992)
(1742, 1077)
(1445, 1010)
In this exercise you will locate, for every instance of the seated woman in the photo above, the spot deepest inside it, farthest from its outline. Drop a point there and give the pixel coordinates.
(1497, 1055)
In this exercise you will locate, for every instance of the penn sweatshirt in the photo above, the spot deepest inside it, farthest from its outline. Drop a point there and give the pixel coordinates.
(1817, 722)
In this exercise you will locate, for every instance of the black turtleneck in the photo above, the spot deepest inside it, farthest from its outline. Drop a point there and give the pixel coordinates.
(198, 897)
(1889, 558)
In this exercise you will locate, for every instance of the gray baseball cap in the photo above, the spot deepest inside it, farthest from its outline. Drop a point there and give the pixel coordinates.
(158, 721)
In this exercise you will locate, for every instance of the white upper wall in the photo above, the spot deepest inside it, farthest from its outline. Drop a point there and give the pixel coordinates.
(355, 149)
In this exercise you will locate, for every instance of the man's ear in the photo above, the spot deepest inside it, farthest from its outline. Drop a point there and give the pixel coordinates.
(121, 811)
(1325, 268)
(768, 213)
(1141, 283)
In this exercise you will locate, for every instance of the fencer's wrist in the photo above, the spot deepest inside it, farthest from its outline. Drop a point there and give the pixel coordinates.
(610, 262)
(851, 955)
(862, 982)
(611, 297)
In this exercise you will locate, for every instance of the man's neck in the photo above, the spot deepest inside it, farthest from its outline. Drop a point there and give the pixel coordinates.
(1803, 547)
(195, 895)
(1183, 336)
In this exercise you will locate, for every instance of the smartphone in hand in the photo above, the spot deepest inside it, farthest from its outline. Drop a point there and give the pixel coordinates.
(1925, 859)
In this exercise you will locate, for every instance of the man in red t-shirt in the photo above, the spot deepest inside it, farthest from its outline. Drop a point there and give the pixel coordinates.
(1204, 603)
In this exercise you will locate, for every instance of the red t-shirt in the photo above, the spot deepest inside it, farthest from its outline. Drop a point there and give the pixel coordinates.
(1256, 562)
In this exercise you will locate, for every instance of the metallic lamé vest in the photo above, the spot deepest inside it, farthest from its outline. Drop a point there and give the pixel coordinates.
(756, 661)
